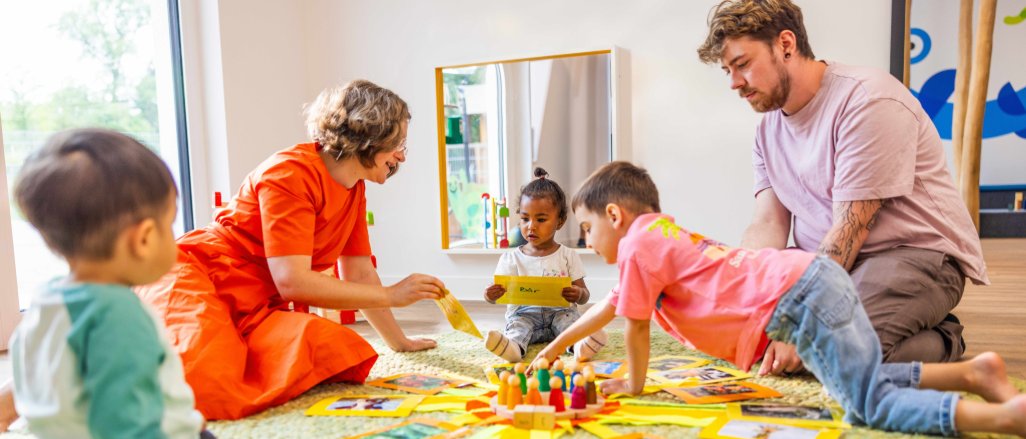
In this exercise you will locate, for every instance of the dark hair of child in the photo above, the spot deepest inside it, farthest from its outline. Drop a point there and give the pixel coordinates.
(85, 186)
(544, 188)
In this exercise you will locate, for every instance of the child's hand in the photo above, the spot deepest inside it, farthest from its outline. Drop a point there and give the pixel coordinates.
(617, 385)
(494, 292)
(573, 293)
(543, 354)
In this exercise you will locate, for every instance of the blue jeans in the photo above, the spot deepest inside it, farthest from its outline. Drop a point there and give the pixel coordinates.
(537, 324)
(822, 316)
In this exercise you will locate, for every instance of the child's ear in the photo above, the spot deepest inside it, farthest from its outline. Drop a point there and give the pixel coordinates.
(615, 215)
(142, 238)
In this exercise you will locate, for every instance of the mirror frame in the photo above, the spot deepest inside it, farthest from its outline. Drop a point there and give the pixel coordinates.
(620, 127)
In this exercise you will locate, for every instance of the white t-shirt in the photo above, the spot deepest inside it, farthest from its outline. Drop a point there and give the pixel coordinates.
(564, 262)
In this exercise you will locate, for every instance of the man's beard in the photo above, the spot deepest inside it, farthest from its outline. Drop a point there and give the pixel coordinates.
(778, 95)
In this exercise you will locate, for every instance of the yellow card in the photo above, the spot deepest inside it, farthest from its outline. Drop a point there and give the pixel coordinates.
(458, 317)
(670, 362)
(417, 427)
(533, 290)
(366, 405)
(799, 415)
(744, 429)
(418, 383)
(722, 392)
(699, 375)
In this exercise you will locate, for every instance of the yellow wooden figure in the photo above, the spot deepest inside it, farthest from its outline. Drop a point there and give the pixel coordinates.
(503, 387)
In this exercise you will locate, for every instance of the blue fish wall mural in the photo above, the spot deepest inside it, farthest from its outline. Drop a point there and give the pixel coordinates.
(1004, 115)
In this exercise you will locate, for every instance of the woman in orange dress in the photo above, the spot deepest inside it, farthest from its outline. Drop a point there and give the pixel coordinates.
(302, 211)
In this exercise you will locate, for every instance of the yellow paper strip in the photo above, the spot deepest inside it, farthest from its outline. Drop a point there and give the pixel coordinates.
(458, 317)
(533, 290)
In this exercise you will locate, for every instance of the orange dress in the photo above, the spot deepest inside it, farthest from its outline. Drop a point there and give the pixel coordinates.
(242, 349)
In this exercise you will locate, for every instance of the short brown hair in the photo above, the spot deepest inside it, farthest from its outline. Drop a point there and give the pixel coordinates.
(85, 186)
(621, 183)
(359, 119)
(762, 20)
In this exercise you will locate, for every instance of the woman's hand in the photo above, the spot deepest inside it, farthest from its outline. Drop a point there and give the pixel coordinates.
(494, 292)
(413, 288)
(415, 344)
(617, 385)
(573, 293)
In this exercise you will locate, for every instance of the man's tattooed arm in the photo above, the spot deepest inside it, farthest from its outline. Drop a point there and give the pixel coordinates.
(852, 222)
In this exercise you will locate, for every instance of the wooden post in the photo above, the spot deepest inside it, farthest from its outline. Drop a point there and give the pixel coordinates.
(972, 140)
(907, 72)
(965, 53)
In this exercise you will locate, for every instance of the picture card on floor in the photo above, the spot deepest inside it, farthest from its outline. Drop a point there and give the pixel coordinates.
(366, 405)
(700, 375)
(670, 362)
(722, 392)
(417, 428)
(418, 383)
(800, 415)
(727, 428)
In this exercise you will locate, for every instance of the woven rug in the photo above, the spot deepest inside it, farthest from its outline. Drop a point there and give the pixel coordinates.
(464, 355)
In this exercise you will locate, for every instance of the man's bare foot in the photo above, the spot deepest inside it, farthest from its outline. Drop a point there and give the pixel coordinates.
(987, 378)
(1016, 411)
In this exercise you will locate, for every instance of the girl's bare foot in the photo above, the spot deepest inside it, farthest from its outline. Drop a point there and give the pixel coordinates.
(987, 378)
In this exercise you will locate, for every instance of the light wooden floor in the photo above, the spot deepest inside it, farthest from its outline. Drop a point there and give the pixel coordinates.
(994, 316)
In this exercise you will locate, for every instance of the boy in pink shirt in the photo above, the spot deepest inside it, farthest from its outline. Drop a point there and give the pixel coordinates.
(731, 302)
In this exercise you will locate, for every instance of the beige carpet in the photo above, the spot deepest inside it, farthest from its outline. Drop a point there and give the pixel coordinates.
(461, 354)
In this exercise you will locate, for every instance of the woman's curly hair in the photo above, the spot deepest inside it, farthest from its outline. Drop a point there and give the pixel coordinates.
(359, 119)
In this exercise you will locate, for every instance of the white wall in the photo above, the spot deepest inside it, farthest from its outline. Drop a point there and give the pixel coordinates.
(691, 132)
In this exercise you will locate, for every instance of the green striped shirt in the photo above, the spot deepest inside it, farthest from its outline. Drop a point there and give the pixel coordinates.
(90, 360)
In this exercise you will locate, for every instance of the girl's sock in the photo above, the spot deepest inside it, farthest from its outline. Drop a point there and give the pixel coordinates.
(499, 345)
(588, 346)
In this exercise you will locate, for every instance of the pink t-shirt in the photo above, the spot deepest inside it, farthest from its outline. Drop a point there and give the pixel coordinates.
(710, 296)
(863, 136)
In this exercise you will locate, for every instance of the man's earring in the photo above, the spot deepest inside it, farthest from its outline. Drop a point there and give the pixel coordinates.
(787, 55)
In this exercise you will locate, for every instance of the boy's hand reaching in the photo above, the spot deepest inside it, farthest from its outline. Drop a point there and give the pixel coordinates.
(573, 293)
(617, 385)
(546, 354)
(494, 292)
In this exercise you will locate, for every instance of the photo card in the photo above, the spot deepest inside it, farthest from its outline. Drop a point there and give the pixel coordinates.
(800, 415)
(416, 428)
(671, 362)
(419, 383)
(722, 392)
(727, 428)
(366, 405)
(700, 375)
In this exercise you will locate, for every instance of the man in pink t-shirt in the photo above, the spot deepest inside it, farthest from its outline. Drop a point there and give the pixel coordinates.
(849, 159)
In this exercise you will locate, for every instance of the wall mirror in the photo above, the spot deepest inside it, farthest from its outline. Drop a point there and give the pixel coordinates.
(497, 121)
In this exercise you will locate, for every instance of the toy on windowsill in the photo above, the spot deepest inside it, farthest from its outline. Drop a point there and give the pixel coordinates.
(527, 402)
(503, 224)
(486, 209)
